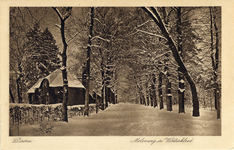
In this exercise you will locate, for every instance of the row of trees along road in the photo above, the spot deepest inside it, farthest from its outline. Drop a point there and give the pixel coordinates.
(171, 48)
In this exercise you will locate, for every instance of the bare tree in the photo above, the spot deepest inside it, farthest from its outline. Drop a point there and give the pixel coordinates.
(64, 14)
(86, 110)
(181, 89)
(214, 12)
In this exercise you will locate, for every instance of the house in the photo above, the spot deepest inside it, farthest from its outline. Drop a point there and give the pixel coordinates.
(49, 90)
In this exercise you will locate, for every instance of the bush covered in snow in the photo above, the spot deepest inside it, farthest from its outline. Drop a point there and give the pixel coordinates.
(77, 110)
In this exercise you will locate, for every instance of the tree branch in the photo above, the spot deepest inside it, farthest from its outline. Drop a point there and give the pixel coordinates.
(58, 26)
(74, 36)
(98, 37)
(31, 14)
(57, 11)
(152, 34)
(151, 14)
(68, 13)
(144, 23)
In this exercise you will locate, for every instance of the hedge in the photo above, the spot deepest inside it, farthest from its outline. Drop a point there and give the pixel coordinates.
(31, 113)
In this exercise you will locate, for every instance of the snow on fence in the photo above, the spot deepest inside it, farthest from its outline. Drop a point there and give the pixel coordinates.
(30, 113)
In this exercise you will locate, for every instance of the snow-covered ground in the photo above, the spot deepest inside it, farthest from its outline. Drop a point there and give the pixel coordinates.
(126, 119)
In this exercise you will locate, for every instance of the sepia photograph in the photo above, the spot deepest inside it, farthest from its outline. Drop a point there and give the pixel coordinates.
(128, 77)
(115, 71)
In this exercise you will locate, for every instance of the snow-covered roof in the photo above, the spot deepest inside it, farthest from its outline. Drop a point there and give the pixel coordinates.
(35, 86)
(56, 80)
(99, 94)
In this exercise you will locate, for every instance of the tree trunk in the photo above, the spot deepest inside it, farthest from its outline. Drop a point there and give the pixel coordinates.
(181, 91)
(64, 61)
(19, 91)
(116, 99)
(166, 69)
(217, 90)
(157, 19)
(169, 96)
(140, 93)
(64, 74)
(212, 58)
(86, 109)
(154, 91)
(160, 90)
(107, 96)
(168, 86)
(147, 95)
(154, 96)
(113, 98)
(97, 102)
(168, 91)
(181, 88)
(143, 99)
(104, 96)
(107, 78)
(146, 99)
(215, 95)
(211, 100)
(19, 84)
(151, 97)
(140, 98)
(219, 108)
(12, 97)
(65, 98)
(116, 77)
(104, 86)
(103, 103)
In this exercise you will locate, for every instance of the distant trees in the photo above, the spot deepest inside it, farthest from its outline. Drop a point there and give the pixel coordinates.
(107, 45)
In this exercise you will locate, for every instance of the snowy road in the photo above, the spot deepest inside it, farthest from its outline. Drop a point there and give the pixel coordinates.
(125, 119)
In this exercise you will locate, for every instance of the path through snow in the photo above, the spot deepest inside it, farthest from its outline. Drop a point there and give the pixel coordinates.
(126, 119)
